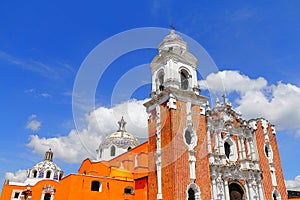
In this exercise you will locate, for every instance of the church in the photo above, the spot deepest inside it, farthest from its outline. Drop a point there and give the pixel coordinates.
(193, 152)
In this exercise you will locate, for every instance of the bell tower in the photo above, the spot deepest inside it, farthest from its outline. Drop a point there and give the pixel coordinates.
(178, 161)
(174, 66)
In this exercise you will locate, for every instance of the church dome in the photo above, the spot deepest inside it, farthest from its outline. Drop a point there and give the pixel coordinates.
(117, 143)
(45, 169)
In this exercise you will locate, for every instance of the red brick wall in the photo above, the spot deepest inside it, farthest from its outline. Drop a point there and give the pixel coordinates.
(265, 166)
(202, 164)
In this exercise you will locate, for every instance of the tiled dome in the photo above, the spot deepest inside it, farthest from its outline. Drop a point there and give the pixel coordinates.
(121, 138)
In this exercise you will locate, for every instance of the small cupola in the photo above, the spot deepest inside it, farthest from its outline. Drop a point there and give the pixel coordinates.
(49, 155)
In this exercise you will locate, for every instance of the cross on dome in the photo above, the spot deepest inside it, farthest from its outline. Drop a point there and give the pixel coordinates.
(122, 124)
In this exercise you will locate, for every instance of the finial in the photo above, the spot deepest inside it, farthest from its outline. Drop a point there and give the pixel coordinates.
(122, 124)
(172, 27)
(224, 99)
(49, 155)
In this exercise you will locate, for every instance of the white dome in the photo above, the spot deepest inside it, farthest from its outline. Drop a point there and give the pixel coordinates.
(120, 139)
(46, 164)
(45, 169)
(116, 143)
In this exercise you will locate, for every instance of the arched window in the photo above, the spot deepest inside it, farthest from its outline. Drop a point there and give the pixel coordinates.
(227, 149)
(184, 81)
(112, 151)
(161, 78)
(34, 174)
(266, 151)
(191, 194)
(47, 196)
(96, 186)
(48, 174)
(236, 191)
(128, 190)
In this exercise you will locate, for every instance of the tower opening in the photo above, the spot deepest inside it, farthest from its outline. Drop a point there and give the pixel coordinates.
(236, 192)
(161, 81)
(184, 79)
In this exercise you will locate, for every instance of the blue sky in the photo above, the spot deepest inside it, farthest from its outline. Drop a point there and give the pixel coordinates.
(43, 44)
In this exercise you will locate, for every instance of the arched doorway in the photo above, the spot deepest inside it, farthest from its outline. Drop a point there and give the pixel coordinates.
(47, 196)
(236, 191)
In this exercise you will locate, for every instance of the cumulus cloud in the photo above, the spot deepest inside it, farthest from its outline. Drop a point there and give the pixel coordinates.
(33, 124)
(79, 144)
(256, 98)
(19, 176)
(293, 184)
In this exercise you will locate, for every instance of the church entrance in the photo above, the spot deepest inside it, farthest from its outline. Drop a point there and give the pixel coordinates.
(236, 192)
(47, 196)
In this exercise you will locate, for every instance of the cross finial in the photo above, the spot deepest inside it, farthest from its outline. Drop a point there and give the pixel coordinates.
(224, 99)
(172, 27)
(122, 124)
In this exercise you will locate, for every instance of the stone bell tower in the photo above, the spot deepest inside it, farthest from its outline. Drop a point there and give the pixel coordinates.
(178, 161)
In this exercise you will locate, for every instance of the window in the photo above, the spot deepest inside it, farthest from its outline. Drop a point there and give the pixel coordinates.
(268, 151)
(112, 151)
(184, 80)
(96, 186)
(48, 175)
(100, 153)
(128, 190)
(129, 148)
(188, 137)
(191, 194)
(34, 174)
(47, 196)
(227, 149)
(161, 81)
(16, 195)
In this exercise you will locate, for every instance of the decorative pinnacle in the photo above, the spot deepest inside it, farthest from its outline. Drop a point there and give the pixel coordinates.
(224, 99)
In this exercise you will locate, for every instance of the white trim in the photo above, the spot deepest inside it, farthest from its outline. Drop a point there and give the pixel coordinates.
(158, 153)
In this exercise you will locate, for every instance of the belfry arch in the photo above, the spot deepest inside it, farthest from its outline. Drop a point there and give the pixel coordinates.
(236, 191)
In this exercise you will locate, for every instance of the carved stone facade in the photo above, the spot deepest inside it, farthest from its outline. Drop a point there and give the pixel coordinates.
(202, 152)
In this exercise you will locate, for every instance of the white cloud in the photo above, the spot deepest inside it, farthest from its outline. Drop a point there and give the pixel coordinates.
(33, 124)
(278, 103)
(19, 176)
(230, 81)
(101, 122)
(293, 184)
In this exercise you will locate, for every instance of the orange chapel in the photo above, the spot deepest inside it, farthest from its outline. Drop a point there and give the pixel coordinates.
(193, 152)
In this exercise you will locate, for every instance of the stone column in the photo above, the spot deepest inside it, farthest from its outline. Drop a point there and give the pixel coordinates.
(226, 188)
